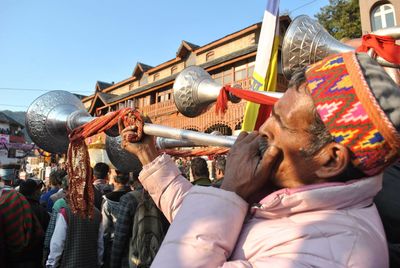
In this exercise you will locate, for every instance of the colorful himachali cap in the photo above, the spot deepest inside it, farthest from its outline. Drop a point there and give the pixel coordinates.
(360, 106)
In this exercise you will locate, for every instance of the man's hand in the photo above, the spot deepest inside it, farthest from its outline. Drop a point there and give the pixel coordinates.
(145, 150)
(247, 172)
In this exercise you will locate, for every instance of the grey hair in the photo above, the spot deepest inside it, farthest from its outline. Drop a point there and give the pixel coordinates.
(320, 135)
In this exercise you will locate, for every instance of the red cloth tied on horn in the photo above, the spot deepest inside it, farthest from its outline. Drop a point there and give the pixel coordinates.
(384, 46)
(253, 96)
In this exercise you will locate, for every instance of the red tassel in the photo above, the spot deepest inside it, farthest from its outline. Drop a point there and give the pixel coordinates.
(222, 101)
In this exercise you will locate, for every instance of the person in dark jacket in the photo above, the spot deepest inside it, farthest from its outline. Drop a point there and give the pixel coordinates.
(387, 202)
(220, 162)
(100, 182)
(110, 210)
(31, 190)
(201, 175)
(123, 227)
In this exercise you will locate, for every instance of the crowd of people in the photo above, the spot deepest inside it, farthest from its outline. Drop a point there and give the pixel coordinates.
(38, 229)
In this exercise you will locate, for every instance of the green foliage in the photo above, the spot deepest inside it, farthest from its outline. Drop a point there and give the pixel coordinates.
(341, 18)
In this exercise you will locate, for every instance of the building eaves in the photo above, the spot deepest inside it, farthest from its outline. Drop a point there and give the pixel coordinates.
(226, 38)
(144, 88)
(172, 77)
(141, 67)
(106, 97)
(230, 56)
(191, 45)
(103, 85)
(185, 48)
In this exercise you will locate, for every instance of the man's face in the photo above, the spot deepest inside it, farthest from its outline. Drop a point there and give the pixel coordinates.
(112, 174)
(287, 128)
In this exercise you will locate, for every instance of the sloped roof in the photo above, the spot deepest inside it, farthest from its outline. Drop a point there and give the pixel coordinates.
(140, 68)
(101, 97)
(191, 45)
(6, 119)
(100, 85)
(105, 97)
(185, 47)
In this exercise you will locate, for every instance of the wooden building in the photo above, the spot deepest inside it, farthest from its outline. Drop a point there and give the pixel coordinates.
(230, 60)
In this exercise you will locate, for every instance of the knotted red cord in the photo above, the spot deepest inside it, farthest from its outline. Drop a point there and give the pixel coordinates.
(384, 46)
(249, 95)
(81, 193)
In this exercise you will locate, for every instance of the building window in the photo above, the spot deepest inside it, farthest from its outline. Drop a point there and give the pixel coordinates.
(243, 72)
(210, 56)
(174, 70)
(383, 17)
(224, 77)
(130, 104)
(163, 96)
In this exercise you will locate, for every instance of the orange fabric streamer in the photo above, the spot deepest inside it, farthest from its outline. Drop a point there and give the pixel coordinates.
(384, 46)
(249, 95)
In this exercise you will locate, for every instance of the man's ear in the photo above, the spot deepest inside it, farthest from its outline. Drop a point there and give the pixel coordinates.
(333, 159)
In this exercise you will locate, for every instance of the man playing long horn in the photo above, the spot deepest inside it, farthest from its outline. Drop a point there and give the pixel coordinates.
(306, 198)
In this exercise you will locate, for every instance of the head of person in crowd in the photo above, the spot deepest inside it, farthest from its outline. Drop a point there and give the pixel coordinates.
(119, 179)
(199, 168)
(61, 164)
(6, 178)
(100, 171)
(55, 178)
(31, 188)
(338, 121)
(220, 162)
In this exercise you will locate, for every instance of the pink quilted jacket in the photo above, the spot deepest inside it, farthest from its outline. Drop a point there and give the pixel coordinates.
(322, 225)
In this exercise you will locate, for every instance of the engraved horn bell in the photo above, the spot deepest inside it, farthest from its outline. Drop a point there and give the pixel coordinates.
(307, 42)
(194, 91)
(53, 115)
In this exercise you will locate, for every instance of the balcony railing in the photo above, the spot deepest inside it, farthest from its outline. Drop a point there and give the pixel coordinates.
(159, 109)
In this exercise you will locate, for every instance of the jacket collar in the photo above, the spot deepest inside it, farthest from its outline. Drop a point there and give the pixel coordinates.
(323, 196)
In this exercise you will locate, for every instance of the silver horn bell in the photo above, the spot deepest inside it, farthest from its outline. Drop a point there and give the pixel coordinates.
(307, 42)
(194, 90)
(53, 115)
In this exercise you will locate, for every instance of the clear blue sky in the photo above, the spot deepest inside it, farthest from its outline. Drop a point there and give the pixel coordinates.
(69, 45)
